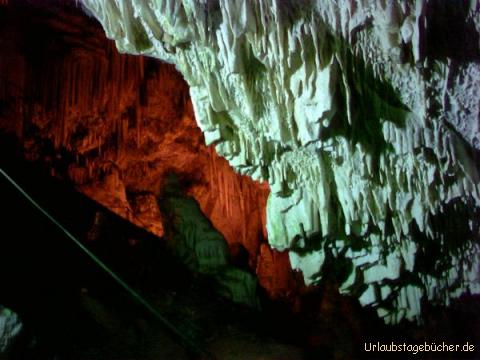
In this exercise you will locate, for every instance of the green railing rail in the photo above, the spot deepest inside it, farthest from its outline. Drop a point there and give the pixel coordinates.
(185, 340)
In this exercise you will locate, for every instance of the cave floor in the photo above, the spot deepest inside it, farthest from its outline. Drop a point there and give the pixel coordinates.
(125, 331)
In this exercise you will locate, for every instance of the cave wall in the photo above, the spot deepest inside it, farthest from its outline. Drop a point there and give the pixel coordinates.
(362, 116)
(116, 125)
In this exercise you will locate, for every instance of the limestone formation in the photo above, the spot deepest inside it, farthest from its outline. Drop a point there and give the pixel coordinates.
(10, 327)
(363, 117)
(203, 249)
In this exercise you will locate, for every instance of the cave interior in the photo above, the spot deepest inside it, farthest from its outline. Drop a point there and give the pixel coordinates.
(125, 236)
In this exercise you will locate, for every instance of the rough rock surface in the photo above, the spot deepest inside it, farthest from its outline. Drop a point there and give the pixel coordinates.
(363, 117)
(10, 327)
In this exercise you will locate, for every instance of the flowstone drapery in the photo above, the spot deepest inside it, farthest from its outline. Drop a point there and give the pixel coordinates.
(362, 116)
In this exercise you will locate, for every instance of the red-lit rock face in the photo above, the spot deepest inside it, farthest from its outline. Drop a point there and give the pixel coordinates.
(116, 125)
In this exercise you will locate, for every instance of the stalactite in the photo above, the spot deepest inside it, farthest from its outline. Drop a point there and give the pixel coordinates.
(87, 102)
(369, 68)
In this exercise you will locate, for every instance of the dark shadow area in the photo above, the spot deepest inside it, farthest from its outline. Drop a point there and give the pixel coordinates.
(374, 101)
(47, 279)
(449, 31)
